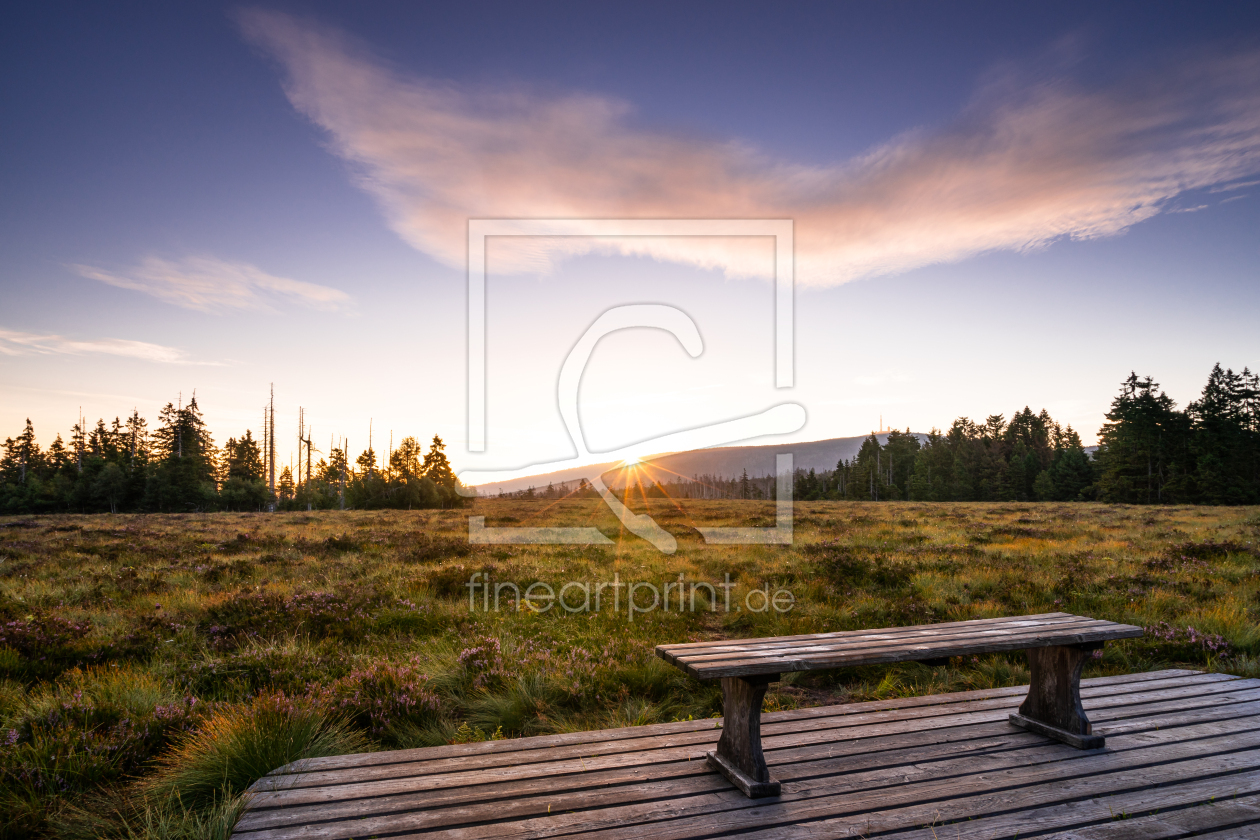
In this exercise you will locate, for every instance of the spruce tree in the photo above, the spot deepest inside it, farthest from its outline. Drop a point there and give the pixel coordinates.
(1144, 446)
(1224, 439)
(436, 468)
(183, 478)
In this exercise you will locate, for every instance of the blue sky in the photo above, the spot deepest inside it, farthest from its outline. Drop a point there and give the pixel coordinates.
(995, 205)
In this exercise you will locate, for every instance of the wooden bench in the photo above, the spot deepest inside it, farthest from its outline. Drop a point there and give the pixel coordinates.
(1058, 645)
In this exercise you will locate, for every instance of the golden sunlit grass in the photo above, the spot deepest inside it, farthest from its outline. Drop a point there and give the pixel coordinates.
(179, 623)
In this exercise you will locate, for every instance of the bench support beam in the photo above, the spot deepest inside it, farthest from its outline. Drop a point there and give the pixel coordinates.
(1053, 706)
(738, 756)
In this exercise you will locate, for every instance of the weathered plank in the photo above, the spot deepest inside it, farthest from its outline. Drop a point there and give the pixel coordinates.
(790, 764)
(431, 754)
(705, 651)
(1237, 814)
(421, 774)
(771, 656)
(975, 622)
(619, 807)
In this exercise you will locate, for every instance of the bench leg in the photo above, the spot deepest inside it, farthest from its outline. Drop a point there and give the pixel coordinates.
(1053, 706)
(738, 756)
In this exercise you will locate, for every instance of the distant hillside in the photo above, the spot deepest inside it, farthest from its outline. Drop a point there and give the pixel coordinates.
(725, 461)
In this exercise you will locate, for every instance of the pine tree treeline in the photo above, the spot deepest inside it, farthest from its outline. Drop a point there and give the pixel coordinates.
(176, 467)
(1209, 453)
(1149, 452)
(1030, 458)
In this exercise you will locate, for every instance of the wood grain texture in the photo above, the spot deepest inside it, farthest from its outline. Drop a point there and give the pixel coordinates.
(739, 755)
(1182, 760)
(786, 654)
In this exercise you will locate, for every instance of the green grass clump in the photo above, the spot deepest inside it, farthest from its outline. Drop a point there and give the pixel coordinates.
(238, 745)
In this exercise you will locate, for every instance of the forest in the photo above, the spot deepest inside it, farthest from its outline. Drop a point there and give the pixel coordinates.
(1149, 452)
(176, 467)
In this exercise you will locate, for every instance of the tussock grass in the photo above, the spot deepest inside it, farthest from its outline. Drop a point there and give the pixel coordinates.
(238, 745)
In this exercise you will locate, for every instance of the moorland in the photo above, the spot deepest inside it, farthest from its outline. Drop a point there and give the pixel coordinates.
(153, 666)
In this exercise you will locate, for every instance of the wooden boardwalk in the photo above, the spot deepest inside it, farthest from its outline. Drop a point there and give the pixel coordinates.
(1182, 759)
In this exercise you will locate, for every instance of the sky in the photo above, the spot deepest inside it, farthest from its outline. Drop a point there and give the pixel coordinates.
(993, 205)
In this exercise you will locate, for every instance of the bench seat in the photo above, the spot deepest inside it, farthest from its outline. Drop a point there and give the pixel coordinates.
(1058, 645)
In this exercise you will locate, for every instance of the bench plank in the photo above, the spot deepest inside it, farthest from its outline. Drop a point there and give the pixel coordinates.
(976, 622)
(758, 657)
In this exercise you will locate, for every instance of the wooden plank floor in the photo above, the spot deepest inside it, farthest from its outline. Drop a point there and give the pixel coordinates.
(1182, 760)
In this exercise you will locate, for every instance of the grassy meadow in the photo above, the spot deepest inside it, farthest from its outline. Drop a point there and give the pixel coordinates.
(153, 666)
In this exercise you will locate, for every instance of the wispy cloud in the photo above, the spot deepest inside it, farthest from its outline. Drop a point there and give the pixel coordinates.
(1023, 165)
(17, 343)
(1239, 186)
(212, 285)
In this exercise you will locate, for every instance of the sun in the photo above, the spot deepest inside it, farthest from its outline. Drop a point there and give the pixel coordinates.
(631, 461)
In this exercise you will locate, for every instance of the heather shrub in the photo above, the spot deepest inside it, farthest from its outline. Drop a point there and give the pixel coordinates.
(1164, 642)
(93, 727)
(382, 697)
(263, 615)
(257, 667)
(127, 818)
(482, 662)
(41, 646)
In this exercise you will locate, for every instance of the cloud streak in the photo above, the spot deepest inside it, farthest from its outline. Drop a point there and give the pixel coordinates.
(212, 285)
(17, 343)
(1021, 166)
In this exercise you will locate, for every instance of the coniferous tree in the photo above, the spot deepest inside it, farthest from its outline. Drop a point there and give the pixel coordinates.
(183, 477)
(243, 487)
(285, 489)
(1143, 446)
(1225, 438)
(243, 458)
(436, 467)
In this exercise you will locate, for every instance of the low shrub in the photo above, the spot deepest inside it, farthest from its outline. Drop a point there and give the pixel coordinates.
(92, 728)
(264, 615)
(1167, 643)
(428, 548)
(845, 568)
(483, 662)
(258, 668)
(43, 646)
(382, 697)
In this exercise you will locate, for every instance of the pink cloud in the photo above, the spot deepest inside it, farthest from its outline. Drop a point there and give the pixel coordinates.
(1016, 170)
(19, 343)
(208, 284)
